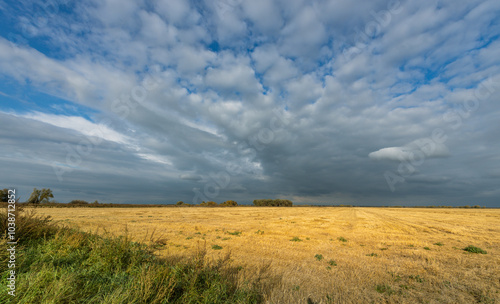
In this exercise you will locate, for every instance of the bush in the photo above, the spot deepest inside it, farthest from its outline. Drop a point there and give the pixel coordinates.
(229, 203)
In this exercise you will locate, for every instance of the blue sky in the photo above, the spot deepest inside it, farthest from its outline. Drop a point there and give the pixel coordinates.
(384, 102)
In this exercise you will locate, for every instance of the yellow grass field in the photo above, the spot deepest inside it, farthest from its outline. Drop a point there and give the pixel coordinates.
(327, 254)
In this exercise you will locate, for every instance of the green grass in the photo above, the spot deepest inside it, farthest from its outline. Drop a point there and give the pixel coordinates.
(342, 239)
(62, 265)
(234, 233)
(383, 288)
(216, 247)
(296, 239)
(318, 257)
(439, 244)
(474, 249)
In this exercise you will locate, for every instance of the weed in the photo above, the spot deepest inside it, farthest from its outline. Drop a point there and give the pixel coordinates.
(372, 254)
(474, 249)
(385, 248)
(296, 239)
(307, 239)
(259, 232)
(318, 257)
(439, 244)
(342, 239)
(216, 247)
(427, 248)
(234, 233)
(417, 278)
(226, 238)
(296, 288)
(384, 288)
(332, 263)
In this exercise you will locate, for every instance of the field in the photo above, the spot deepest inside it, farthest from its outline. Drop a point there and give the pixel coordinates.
(326, 254)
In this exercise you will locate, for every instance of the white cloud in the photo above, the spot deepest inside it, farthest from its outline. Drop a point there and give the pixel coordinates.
(415, 151)
(81, 125)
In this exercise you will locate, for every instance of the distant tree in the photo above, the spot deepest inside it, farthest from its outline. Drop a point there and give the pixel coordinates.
(40, 196)
(180, 203)
(212, 204)
(78, 202)
(273, 203)
(229, 203)
(4, 195)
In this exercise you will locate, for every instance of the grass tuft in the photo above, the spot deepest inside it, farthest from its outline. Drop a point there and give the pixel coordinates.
(474, 249)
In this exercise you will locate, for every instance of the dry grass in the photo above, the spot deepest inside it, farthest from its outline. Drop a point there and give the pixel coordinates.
(368, 255)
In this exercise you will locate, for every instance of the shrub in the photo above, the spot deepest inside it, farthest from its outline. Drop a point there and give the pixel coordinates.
(216, 247)
(332, 263)
(296, 239)
(342, 239)
(229, 203)
(474, 249)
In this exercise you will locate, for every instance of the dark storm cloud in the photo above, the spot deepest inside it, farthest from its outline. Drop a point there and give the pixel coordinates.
(389, 102)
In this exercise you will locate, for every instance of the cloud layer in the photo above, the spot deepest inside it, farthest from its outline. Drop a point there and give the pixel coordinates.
(389, 102)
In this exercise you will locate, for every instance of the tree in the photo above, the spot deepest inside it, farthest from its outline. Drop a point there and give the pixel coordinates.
(273, 203)
(180, 203)
(4, 195)
(40, 196)
(229, 203)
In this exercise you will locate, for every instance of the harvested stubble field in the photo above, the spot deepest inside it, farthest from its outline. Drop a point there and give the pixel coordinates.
(327, 254)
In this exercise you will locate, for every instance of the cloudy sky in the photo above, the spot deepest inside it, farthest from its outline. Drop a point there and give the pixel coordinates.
(359, 102)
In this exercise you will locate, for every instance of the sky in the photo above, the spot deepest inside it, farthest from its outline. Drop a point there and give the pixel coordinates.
(320, 102)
